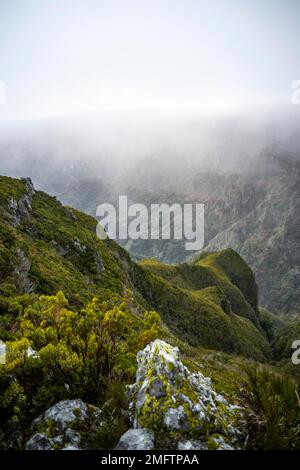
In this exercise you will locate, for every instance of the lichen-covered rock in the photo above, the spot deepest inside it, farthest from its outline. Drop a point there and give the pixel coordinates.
(214, 443)
(136, 439)
(19, 210)
(39, 441)
(64, 412)
(65, 426)
(220, 444)
(21, 273)
(168, 397)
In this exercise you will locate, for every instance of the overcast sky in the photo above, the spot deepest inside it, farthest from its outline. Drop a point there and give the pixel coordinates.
(65, 56)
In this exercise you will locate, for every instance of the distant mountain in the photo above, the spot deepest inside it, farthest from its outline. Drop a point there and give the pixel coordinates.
(266, 232)
(256, 214)
(86, 194)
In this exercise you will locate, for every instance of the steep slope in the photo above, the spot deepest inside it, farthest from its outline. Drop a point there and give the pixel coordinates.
(46, 247)
(256, 215)
(268, 239)
(212, 302)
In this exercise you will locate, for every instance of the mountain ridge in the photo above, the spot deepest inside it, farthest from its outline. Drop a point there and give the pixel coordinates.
(48, 246)
(255, 214)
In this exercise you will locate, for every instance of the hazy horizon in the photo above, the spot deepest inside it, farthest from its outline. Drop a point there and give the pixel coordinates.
(107, 85)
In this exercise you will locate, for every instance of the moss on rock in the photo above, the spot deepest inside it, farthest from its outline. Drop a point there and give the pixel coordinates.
(168, 397)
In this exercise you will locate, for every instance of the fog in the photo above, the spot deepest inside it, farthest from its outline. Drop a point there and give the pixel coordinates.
(146, 149)
(146, 94)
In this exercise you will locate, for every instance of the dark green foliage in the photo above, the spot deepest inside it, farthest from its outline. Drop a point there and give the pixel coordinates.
(274, 416)
(10, 188)
(282, 344)
(270, 323)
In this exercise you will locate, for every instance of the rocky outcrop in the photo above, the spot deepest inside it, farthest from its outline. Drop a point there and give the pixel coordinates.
(65, 426)
(168, 398)
(20, 209)
(21, 273)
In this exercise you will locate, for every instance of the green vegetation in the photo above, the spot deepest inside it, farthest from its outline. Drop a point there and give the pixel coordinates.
(10, 188)
(75, 310)
(61, 353)
(46, 247)
(270, 323)
(206, 304)
(286, 335)
(274, 419)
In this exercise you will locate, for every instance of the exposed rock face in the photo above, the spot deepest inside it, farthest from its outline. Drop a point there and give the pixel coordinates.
(168, 397)
(21, 273)
(76, 248)
(63, 426)
(18, 210)
(266, 236)
(137, 439)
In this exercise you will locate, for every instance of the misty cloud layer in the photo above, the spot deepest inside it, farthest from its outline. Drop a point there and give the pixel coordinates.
(146, 150)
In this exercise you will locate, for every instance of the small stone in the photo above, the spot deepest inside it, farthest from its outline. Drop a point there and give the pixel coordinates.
(136, 439)
(191, 445)
(66, 419)
(70, 447)
(65, 412)
(39, 442)
(222, 445)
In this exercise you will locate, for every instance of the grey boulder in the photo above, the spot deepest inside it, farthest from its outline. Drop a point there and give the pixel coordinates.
(136, 439)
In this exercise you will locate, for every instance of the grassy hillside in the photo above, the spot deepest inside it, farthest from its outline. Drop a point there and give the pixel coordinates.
(212, 302)
(46, 247)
